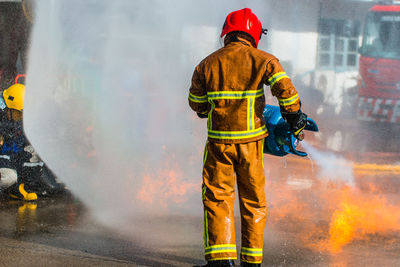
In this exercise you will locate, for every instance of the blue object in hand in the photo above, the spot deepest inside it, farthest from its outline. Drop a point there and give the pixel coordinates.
(281, 140)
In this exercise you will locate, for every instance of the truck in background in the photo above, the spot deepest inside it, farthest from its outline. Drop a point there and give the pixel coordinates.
(379, 65)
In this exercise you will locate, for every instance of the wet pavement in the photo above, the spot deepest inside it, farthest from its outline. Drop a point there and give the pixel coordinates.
(313, 220)
(59, 231)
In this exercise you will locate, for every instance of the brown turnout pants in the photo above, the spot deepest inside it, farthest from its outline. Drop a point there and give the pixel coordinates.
(221, 163)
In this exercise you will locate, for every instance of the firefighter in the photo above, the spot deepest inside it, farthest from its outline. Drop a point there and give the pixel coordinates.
(227, 88)
(16, 153)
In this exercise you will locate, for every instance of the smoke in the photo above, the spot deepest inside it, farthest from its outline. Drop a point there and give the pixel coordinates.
(106, 108)
(332, 167)
(106, 105)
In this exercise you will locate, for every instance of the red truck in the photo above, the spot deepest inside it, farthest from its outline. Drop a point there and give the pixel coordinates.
(379, 65)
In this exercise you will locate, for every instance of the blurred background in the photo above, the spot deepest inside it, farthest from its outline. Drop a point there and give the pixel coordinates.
(106, 110)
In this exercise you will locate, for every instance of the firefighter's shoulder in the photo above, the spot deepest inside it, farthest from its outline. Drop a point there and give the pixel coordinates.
(261, 54)
(211, 57)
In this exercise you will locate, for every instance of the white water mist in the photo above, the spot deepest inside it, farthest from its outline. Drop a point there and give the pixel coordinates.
(106, 103)
(331, 167)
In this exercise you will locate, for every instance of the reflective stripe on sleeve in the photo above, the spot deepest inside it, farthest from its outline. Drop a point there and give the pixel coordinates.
(288, 101)
(226, 248)
(276, 78)
(198, 99)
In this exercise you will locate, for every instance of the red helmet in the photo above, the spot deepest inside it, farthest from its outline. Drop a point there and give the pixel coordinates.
(243, 20)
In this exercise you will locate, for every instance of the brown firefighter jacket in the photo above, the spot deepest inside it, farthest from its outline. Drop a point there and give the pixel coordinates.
(228, 87)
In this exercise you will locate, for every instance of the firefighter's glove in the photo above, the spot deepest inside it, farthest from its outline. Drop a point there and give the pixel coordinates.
(202, 116)
(297, 121)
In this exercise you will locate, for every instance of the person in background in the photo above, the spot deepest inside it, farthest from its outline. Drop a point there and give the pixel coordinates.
(15, 151)
(227, 88)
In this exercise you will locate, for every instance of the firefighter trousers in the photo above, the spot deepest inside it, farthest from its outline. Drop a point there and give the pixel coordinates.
(222, 163)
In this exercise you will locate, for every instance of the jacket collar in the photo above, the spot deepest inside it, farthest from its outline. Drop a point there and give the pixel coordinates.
(239, 41)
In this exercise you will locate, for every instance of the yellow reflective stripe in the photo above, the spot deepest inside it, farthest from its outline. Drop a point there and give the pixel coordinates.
(250, 113)
(225, 248)
(237, 134)
(220, 251)
(255, 252)
(276, 78)
(270, 80)
(224, 258)
(221, 95)
(253, 101)
(288, 101)
(206, 230)
(262, 153)
(235, 94)
(205, 154)
(251, 249)
(222, 245)
(210, 115)
(251, 261)
(198, 99)
(203, 193)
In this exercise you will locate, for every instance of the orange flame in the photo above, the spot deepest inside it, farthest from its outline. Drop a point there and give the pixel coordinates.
(359, 216)
(329, 215)
(167, 186)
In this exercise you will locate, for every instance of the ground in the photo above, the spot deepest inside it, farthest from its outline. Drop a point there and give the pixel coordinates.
(314, 219)
(59, 231)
